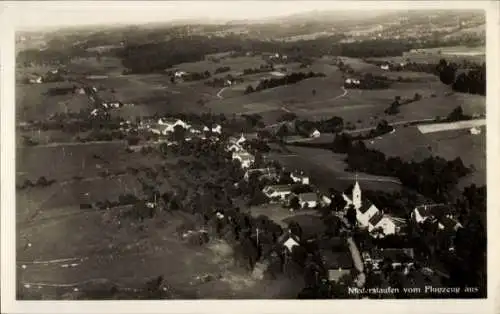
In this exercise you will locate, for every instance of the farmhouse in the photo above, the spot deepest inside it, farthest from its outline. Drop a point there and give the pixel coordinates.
(299, 177)
(245, 158)
(438, 214)
(269, 173)
(238, 141)
(217, 129)
(170, 124)
(288, 241)
(381, 225)
(308, 200)
(399, 258)
(336, 258)
(475, 131)
(277, 191)
(35, 79)
(179, 74)
(234, 148)
(423, 212)
(314, 133)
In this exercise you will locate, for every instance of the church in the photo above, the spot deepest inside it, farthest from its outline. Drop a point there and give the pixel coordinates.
(370, 217)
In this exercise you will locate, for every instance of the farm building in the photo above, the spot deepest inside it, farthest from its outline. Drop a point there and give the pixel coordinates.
(337, 261)
(170, 124)
(289, 240)
(299, 177)
(277, 191)
(233, 140)
(246, 159)
(399, 258)
(315, 133)
(234, 148)
(382, 225)
(308, 200)
(475, 131)
(35, 79)
(269, 173)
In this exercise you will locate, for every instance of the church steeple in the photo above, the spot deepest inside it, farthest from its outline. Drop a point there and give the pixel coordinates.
(356, 194)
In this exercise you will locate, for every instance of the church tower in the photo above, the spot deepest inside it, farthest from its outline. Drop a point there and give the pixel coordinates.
(356, 195)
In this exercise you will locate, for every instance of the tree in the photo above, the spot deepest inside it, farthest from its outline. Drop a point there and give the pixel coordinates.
(351, 215)
(249, 89)
(294, 203)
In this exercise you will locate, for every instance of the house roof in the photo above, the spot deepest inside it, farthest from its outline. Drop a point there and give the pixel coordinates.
(365, 206)
(432, 210)
(308, 197)
(279, 188)
(376, 218)
(336, 260)
(449, 223)
(399, 222)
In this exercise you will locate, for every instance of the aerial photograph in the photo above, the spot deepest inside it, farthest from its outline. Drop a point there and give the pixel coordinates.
(311, 153)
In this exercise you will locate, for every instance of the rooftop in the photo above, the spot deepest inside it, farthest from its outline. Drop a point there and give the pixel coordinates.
(308, 197)
(376, 218)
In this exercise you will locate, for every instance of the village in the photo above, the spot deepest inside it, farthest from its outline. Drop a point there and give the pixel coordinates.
(233, 162)
(291, 192)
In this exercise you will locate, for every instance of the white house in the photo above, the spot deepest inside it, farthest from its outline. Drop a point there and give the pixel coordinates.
(423, 212)
(475, 131)
(245, 158)
(170, 124)
(36, 80)
(233, 148)
(262, 172)
(384, 67)
(400, 258)
(385, 224)
(277, 191)
(206, 129)
(217, 129)
(299, 177)
(314, 133)
(308, 200)
(179, 74)
(291, 242)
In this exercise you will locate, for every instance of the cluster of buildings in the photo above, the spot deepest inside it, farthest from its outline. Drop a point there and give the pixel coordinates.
(166, 126)
(236, 147)
(368, 216)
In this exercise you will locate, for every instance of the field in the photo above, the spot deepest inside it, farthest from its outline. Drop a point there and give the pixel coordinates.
(327, 169)
(410, 144)
(32, 103)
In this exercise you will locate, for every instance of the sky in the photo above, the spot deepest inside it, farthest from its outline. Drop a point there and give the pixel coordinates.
(43, 14)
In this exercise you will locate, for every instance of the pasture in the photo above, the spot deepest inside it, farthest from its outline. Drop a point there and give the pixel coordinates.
(33, 104)
(327, 169)
(410, 144)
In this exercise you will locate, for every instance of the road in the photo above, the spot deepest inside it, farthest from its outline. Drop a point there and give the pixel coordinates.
(391, 124)
(219, 94)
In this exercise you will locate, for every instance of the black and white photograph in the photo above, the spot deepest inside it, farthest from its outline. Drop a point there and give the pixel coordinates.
(235, 150)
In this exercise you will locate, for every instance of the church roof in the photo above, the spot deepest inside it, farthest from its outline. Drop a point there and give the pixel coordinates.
(365, 206)
(376, 218)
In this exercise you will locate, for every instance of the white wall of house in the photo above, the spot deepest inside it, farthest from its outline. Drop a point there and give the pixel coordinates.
(308, 204)
(387, 225)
